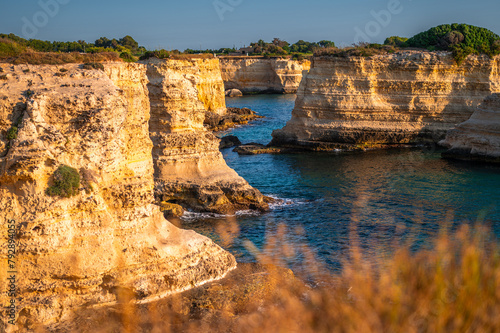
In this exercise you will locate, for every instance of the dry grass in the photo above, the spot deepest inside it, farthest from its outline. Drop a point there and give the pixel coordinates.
(191, 56)
(52, 58)
(455, 287)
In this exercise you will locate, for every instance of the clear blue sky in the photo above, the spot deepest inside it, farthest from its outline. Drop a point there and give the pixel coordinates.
(185, 24)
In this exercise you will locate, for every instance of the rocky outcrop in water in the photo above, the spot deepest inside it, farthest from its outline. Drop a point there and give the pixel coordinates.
(477, 139)
(109, 242)
(403, 98)
(189, 168)
(263, 75)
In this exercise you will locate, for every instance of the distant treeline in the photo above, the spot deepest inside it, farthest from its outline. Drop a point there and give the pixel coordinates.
(276, 47)
(461, 39)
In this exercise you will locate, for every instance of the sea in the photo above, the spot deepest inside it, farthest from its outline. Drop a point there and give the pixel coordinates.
(328, 203)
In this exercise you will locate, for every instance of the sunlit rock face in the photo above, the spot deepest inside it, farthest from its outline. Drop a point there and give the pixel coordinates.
(406, 97)
(260, 75)
(189, 168)
(110, 239)
(478, 138)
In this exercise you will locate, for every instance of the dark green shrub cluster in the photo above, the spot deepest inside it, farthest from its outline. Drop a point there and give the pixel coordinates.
(461, 39)
(63, 70)
(4, 77)
(66, 182)
(93, 65)
(12, 133)
(126, 56)
(396, 41)
(160, 54)
(360, 50)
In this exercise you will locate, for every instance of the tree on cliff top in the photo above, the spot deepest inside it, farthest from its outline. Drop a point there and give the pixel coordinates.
(461, 39)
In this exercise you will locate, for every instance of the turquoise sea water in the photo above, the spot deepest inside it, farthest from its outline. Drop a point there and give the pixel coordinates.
(381, 197)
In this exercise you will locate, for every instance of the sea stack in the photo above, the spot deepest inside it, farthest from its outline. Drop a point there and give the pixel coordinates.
(406, 97)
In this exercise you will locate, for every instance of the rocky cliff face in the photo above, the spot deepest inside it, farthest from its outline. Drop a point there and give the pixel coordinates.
(206, 76)
(479, 137)
(110, 241)
(259, 75)
(189, 168)
(406, 97)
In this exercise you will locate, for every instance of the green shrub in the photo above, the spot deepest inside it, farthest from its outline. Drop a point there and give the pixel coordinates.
(127, 57)
(66, 182)
(396, 41)
(461, 39)
(160, 54)
(93, 65)
(4, 77)
(63, 70)
(12, 133)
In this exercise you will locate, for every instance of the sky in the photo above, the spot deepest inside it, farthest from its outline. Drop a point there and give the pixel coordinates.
(213, 24)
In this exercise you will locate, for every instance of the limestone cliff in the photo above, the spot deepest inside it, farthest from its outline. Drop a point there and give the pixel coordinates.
(261, 75)
(206, 75)
(406, 97)
(189, 168)
(479, 137)
(109, 241)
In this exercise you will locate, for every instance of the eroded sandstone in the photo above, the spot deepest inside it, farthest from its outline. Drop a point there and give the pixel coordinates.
(403, 98)
(110, 240)
(478, 138)
(263, 75)
(189, 168)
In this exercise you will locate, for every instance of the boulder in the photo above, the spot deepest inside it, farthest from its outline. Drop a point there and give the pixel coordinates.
(233, 93)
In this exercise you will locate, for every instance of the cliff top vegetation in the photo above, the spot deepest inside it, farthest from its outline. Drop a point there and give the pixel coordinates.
(460, 39)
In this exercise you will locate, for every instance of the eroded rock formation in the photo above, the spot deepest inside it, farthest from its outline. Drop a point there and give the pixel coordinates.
(261, 75)
(110, 240)
(406, 97)
(189, 168)
(479, 137)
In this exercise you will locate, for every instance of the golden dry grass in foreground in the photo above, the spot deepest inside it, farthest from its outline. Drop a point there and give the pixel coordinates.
(453, 288)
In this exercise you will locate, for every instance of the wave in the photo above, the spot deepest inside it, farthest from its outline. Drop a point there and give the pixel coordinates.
(278, 204)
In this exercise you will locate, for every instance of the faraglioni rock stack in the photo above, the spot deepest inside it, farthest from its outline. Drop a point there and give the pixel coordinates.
(402, 98)
(110, 237)
(263, 75)
(189, 168)
(477, 139)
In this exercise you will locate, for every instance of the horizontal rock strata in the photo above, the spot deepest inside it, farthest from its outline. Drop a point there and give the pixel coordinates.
(406, 97)
(478, 138)
(109, 242)
(189, 168)
(261, 75)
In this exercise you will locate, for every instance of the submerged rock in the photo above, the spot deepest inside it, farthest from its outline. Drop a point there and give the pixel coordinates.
(477, 139)
(233, 117)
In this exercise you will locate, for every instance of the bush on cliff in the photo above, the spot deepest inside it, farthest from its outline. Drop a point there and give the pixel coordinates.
(360, 50)
(461, 39)
(66, 182)
(396, 41)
